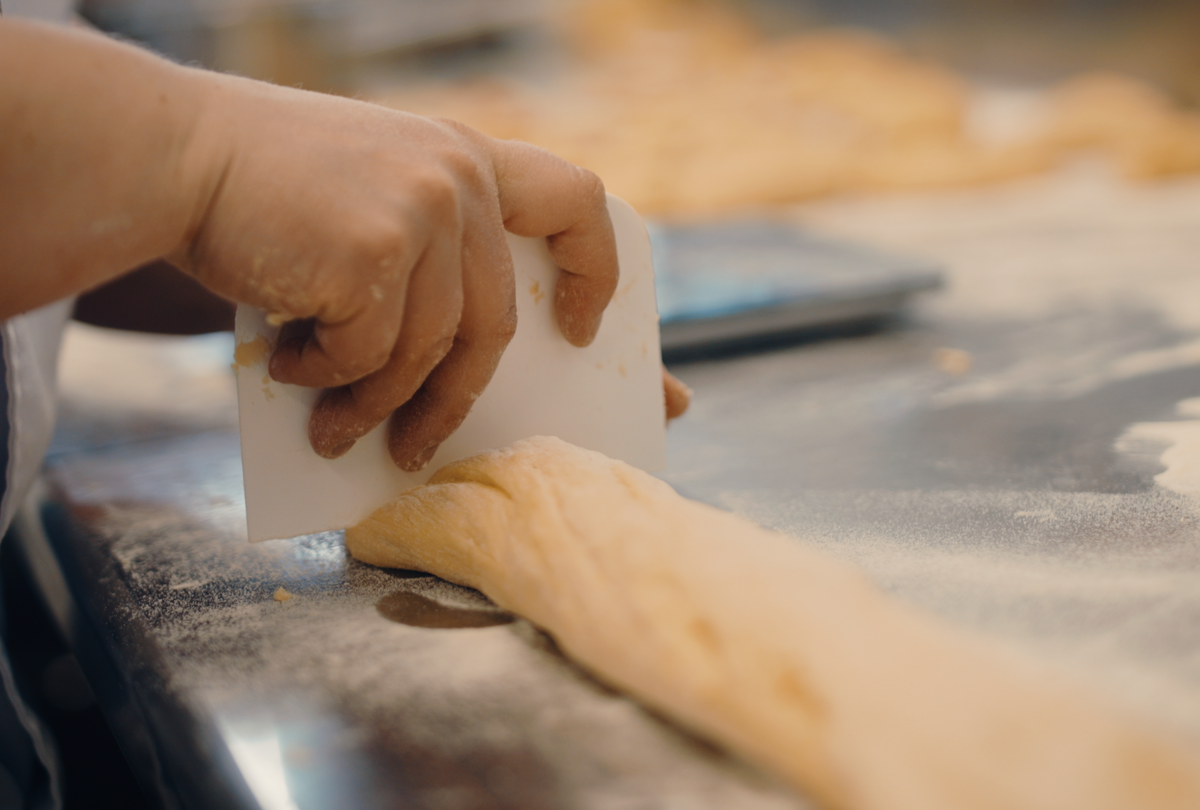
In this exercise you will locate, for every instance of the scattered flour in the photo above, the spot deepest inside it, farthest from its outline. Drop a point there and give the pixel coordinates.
(1079, 237)
(1039, 376)
(496, 711)
(1182, 454)
(1107, 584)
(1073, 578)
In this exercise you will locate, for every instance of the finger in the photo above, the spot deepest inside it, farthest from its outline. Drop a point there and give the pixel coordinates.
(488, 324)
(354, 336)
(677, 395)
(543, 195)
(431, 317)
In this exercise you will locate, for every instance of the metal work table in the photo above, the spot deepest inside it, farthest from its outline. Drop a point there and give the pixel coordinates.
(1016, 498)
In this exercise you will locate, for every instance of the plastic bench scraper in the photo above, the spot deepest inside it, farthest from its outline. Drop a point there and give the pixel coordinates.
(606, 397)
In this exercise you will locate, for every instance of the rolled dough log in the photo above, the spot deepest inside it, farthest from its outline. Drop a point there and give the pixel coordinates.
(782, 654)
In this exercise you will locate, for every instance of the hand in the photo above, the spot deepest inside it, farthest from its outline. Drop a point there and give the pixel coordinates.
(677, 395)
(380, 235)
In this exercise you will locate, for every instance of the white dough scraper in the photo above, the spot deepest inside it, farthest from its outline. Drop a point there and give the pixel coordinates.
(606, 397)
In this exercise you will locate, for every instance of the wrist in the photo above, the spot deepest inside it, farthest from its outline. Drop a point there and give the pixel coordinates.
(205, 153)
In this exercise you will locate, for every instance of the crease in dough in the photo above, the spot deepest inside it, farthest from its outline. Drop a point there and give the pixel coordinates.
(785, 656)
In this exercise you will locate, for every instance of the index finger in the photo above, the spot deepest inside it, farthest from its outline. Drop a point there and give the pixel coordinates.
(544, 195)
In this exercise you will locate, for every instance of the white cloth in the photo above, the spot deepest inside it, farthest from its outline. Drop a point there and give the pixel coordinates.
(31, 343)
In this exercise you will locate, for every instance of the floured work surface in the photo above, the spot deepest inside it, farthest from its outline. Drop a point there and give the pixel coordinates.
(1008, 490)
(768, 647)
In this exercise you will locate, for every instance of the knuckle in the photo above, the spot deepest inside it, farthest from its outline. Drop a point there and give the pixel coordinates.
(373, 359)
(592, 187)
(439, 348)
(429, 356)
(465, 168)
(506, 326)
(427, 353)
(350, 362)
(463, 152)
(460, 158)
(493, 327)
(380, 243)
(348, 370)
(436, 190)
(459, 128)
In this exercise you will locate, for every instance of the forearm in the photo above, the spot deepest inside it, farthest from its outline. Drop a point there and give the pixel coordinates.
(98, 172)
(382, 232)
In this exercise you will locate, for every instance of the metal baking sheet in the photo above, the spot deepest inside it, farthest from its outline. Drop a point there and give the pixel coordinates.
(739, 284)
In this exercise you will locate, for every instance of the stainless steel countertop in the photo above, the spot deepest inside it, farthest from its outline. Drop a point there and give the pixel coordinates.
(1013, 499)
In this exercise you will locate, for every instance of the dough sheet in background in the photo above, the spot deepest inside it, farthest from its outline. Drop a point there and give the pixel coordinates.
(1018, 498)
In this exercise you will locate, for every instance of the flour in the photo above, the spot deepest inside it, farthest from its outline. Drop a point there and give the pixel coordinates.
(1080, 237)
(458, 696)
(1105, 584)
(1181, 455)
(1064, 290)
(327, 659)
(1189, 408)
(1072, 578)
(1055, 377)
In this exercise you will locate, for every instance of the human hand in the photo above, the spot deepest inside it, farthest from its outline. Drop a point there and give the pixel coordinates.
(676, 395)
(380, 236)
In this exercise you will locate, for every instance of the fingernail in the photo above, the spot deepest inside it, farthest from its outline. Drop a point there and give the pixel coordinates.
(286, 348)
(419, 463)
(338, 450)
(276, 367)
(584, 333)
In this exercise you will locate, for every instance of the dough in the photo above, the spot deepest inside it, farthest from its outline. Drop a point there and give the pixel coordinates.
(783, 655)
(694, 114)
(1137, 126)
(684, 109)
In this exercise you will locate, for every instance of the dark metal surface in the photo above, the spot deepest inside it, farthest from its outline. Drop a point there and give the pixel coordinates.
(1028, 515)
(366, 688)
(1001, 498)
(746, 284)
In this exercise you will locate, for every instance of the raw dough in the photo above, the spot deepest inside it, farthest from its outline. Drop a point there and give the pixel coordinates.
(1137, 126)
(684, 109)
(778, 652)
